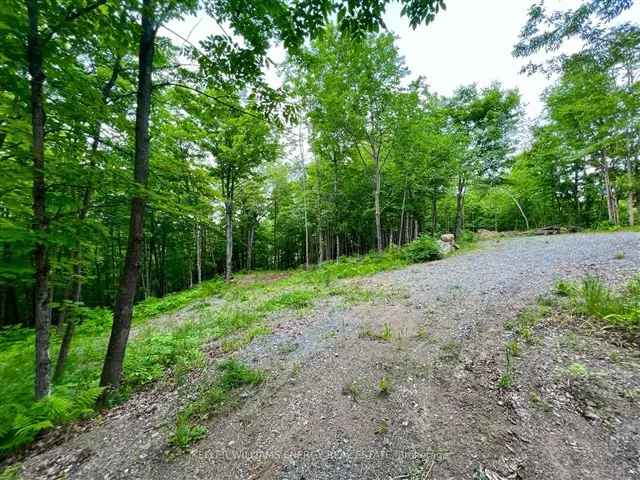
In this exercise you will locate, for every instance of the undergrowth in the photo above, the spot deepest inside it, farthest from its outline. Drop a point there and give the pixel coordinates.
(212, 400)
(174, 348)
(593, 300)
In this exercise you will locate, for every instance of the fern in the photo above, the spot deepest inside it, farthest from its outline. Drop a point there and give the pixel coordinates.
(20, 426)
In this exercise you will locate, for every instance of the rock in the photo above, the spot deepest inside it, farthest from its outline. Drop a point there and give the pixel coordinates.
(448, 238)
(446, 247)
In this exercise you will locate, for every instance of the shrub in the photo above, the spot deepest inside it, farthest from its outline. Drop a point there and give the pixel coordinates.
(423, 249)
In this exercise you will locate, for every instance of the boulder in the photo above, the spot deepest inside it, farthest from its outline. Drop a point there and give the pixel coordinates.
(448, 238)
(447, 247)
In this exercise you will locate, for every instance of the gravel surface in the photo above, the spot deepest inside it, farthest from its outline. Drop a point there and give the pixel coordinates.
(324, 413)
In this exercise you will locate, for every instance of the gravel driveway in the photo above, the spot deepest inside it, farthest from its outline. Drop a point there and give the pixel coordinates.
(423, 403)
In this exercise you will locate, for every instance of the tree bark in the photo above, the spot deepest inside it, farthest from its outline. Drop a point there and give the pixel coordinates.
(459, 208)
(630, 195)
(228, 210)
(251, 235)
(41, 317)
(376, 199)
(612, 202)
(112, 368)
(402, 220)
(199, 252)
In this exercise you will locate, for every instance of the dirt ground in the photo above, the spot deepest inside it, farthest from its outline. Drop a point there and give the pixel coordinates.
(405, 386)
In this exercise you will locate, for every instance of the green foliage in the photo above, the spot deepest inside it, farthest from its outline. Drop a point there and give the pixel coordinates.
(296, 300)
(593, 299)
(12, 472)
(20, 424)
(211, 401)
(384, 387)
(385, 335)
(423, 249)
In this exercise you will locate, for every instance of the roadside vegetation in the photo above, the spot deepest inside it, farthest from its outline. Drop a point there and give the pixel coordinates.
(174, 348)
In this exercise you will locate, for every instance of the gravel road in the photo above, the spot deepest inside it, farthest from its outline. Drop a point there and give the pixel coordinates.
(325, 413)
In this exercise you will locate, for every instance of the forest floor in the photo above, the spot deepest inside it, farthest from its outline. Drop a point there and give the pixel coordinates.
(412, 382)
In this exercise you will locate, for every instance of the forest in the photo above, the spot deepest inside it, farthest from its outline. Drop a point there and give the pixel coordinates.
(138, 167)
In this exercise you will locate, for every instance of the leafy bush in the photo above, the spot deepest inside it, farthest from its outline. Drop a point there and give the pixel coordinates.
(423, 249)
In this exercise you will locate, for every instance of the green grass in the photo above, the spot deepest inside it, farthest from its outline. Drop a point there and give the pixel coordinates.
(592, 299)
(212, 400)
(176, 348)
(384, 335)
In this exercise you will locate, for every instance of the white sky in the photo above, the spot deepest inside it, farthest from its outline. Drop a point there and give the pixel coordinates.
(469, 42)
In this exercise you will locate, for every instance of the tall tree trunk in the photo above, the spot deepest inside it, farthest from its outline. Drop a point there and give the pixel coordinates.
(112, 368)
(42, 320)
(304, 197)
(251, 235)
(376, 199)
(199, 251)
(630, 195)
(319, 210)
(434, 214)
(228, 215)
(612, 202)
(402, 219)
(460, 208)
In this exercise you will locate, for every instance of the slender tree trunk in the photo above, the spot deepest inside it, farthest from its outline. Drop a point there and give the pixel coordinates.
(459, 208)
(630, 214)
(228, 214)
(434, 214)
(112, 368)
(376, 199)
(42, 320)
(319, 210)
(612, 203)
(402, 220)
(199, 252)
(252, 231)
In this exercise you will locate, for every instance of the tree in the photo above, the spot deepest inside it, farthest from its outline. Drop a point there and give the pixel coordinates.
(483, 121)
(223, 59)
(238, 141)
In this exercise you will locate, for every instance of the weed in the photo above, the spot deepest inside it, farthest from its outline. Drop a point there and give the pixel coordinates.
(523, 325)
(351, 390)
(186, 434)
(233, 344)
(564, 288)
(505, 382)
(513, 347)
(619, 255)
(12, 472)
(384, 335)
(450, 351)
(632, 394)
(287, 347)
(211, 400)
(536, 400)
(296, 369)
(506, 379)
(295, 300)
(382, 428)
(384, 387)
(574, 374)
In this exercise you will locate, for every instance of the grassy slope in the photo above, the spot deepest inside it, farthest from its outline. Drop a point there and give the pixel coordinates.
(156, 348)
